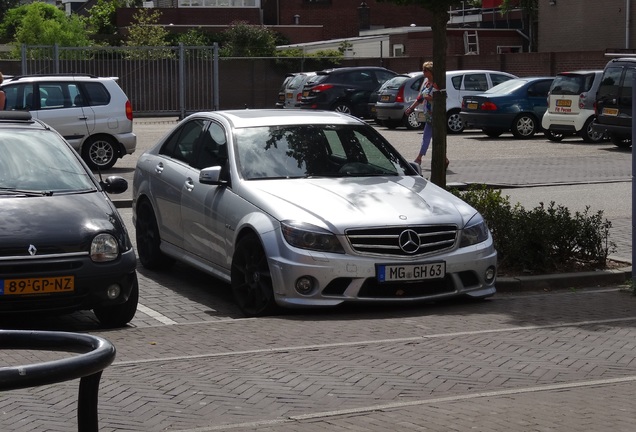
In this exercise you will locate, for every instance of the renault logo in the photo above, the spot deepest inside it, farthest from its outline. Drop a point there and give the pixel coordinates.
(409, 241)
(32, 250)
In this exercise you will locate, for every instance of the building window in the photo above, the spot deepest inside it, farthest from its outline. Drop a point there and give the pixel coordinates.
(398, 50)
(221, 3)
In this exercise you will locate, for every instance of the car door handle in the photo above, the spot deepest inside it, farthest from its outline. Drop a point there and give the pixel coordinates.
(189, 184)
(159, 168)
(83, 118)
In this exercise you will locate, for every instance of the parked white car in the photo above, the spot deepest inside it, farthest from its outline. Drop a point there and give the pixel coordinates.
(304, 208)
(92, 113)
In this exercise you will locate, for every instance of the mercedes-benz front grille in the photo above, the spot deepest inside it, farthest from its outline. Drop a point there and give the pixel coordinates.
(402, 241)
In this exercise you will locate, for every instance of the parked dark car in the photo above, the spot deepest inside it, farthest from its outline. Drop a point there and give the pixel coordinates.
(63, 245)
(345, 90)
(516, 105)
(614, 101)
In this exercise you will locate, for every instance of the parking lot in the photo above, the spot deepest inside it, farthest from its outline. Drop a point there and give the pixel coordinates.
(525, 361)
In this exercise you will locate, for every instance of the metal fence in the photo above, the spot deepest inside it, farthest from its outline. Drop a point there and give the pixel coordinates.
(160, 81)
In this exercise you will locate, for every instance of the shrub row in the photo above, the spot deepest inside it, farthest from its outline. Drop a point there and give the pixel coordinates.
(544, 239)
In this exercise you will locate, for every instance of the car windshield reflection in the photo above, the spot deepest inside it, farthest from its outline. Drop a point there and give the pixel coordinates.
(316, 151)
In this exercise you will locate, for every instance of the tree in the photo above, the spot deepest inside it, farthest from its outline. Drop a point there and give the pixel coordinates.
(102, 16)
(43, 24)
(530, 14)
(145, 31)
(439, 9)
(245, 40)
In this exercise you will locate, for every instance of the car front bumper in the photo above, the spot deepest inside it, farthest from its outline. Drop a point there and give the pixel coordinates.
(347, 278)
(91, 280)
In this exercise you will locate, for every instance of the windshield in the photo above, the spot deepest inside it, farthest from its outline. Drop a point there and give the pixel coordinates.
(39, 161)
(507, 87)
(316, 151)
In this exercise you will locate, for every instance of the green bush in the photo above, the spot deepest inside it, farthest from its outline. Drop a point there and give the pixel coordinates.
(544, 239)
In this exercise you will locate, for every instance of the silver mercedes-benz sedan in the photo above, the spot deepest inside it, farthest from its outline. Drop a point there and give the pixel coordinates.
(303, 209)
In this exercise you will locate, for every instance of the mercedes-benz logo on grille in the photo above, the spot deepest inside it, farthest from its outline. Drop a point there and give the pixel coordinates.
(409, 241)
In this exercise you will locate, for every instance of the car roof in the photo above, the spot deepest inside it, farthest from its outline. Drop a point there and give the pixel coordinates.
(59, 77)
(351, 68)
(581, 72)
(464, 71)
(273, 117)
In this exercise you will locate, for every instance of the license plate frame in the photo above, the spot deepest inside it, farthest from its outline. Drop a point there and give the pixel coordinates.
(472, 105)
(610, 111)
(567, 103)
(414, 272)
(385, 98)
(37, 285)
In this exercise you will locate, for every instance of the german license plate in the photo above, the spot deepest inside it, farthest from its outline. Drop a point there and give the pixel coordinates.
(563, 102)
(410, 272)
(610, 111)
(472, 105)
(37, 285)
(385, 98)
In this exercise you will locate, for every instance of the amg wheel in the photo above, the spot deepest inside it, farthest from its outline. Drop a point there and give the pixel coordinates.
(251, 279)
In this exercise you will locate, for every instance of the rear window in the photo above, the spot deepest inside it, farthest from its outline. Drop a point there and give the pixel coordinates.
(395, 82)
(610, 82)
(572, 84)
(96, 93)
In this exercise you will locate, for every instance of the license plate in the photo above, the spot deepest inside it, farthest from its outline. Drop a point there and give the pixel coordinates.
(281, 97)
(610, 111)
(290, 95)
(563, 103)
(385, 98)
(37, 285)
(410, 272)
(305, 93)
(472, 105)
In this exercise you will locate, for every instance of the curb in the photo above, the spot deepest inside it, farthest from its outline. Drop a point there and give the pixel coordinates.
(563, 280)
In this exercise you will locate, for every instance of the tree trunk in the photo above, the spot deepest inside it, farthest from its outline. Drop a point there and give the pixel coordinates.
(438, 162)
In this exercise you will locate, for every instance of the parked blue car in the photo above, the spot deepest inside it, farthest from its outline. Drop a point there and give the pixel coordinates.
(516, 105)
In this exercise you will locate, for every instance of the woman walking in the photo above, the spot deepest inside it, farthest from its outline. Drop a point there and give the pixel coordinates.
(426, 99)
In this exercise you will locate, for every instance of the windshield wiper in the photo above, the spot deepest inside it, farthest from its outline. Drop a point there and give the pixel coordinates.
(25, 192)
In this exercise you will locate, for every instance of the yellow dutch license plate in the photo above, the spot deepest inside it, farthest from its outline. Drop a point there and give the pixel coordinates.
(563, 103)
(610, 111)
(62, 284)
(290, 95)
(472, 105)
(385, 98)
(306, 93)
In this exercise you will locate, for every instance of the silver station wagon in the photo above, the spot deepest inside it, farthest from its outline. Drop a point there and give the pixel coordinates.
(299, 208)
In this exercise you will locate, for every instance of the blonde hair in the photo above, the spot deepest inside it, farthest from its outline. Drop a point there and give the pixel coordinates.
(428, 66)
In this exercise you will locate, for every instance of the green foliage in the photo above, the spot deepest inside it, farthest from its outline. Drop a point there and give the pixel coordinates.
(293, 59)
(145, 31)
(43, 24)
(245, 40)
(102, 17)
(544, 239)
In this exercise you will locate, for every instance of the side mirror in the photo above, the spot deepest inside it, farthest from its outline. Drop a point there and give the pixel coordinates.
(114, 184)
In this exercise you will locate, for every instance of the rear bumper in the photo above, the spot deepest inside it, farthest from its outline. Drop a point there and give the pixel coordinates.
(572, 123)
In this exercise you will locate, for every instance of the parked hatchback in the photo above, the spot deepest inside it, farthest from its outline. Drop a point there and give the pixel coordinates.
(92, 113)
(404, 89)
(63, 245)
(614, 101)
(344, 90)
(301, 208)
(571, 102)
(516, 105)
(294, 89)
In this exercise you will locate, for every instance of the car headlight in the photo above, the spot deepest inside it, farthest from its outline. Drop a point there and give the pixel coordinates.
(475, 231)
(104, 248)
(307, 236)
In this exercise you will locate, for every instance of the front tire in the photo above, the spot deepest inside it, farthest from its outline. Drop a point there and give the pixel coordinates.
(148, 239)
(252, 285)
(454, 122)
(100, 152)
(589, 134)
(524, 126)
(121, 314)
